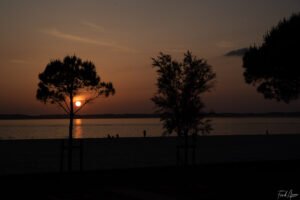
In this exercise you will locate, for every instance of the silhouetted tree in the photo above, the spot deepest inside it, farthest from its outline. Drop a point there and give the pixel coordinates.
(274, 67)
(61, 81)
(180, 85)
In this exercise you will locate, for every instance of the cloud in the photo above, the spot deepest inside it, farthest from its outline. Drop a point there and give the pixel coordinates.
(236, 52)
(176, 50)
(75, 38)
(56, 33)
(20, 61)
(93, 26)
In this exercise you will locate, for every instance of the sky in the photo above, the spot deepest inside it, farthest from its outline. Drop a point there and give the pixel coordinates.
(121, 36)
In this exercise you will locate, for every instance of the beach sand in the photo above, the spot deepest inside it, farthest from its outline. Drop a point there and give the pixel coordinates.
(228, 167)
(40, 156)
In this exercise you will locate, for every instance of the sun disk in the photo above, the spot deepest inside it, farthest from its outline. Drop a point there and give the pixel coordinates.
(78, 103)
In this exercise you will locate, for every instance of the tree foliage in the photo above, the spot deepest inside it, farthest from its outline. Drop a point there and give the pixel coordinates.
(180, 85)
(274, 67)
(61, 81)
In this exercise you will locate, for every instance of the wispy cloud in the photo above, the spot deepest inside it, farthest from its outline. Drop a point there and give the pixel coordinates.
(75, 38)
(236, 52)
(56, 33)
(20, 61)
(176, 50)
(93, 26)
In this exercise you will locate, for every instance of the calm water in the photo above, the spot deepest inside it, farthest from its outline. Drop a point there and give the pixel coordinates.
(97, 128)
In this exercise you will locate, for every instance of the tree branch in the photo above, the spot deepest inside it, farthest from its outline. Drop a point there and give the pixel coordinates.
(86, 102)
(62, 106)
(66, 104)
(106, 91)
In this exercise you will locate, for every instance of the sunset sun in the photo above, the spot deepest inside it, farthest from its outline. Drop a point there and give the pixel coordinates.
(77, 103)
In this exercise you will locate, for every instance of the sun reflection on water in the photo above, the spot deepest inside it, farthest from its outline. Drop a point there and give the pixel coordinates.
(78, 133)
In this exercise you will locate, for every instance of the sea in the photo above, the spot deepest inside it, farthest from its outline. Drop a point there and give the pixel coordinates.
(135, 127)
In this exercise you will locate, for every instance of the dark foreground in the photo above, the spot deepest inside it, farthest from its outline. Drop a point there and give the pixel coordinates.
(249, 180)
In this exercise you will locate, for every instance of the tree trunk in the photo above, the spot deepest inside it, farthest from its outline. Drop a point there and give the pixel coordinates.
(70, 154)
(186, 148)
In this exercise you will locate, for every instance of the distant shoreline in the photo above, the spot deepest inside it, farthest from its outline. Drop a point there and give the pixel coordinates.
(118, 116)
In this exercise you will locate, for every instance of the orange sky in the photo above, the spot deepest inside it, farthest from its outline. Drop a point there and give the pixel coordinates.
(120, 37)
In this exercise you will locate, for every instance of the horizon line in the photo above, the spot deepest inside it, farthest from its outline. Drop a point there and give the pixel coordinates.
(147, 115)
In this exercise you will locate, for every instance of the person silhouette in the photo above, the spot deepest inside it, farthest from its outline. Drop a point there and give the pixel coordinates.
(267, 132)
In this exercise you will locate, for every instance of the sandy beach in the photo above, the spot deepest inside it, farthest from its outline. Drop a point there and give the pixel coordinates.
(228, 167)
(43, 156)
